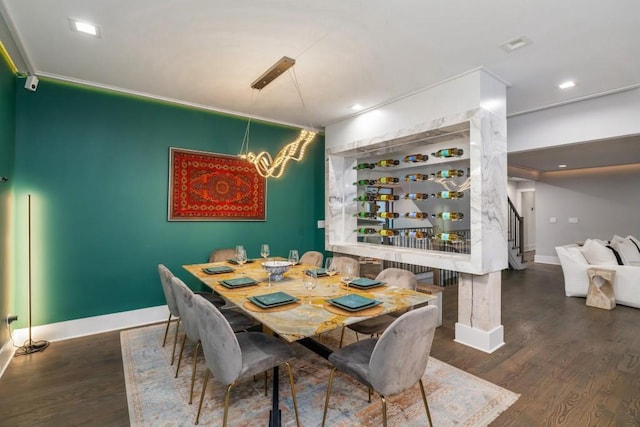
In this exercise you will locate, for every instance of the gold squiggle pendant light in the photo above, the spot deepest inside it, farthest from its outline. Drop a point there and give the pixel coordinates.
(267, 166)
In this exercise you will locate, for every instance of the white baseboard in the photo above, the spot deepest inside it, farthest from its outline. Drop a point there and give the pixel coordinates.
(6, 354)
(546, 259)
(93, 325)
(487, 341)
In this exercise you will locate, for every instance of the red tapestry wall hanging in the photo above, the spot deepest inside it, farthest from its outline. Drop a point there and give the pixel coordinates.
(214, 187)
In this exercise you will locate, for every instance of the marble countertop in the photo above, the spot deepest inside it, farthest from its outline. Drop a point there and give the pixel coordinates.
(311, 315)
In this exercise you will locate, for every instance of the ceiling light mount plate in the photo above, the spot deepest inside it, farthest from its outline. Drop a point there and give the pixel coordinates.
(273, 72)
(515, 44)
(85, 27)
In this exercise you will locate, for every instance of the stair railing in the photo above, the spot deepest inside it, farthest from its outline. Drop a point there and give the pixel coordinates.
(516, 227)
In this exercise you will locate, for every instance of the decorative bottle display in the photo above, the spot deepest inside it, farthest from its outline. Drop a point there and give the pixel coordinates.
(415, 196)
(365, 182)
(387, 162)
(387, 180)
(416, 177)
(365, 215)
(376, 198)
(448, 195)
(361, 166)
(415, 234)
(449, 237)
(416, 215)
(448, 173)
(385, 233)
(449, 152)
(449, 216)
(414, 158)
(388, 214)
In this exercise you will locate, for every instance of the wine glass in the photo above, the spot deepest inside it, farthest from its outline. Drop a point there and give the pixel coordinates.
(264, 251)
(329, 266)
(293, 256)
(241, 257)
(347, 274)
(264, 267)
(309, 282)
(238, 249)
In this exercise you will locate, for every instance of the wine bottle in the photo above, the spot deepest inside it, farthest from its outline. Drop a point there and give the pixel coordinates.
(448, 173)
(449, 216)
(387, 162)
(449, 237)
(365, 182)
(448, 195)
(415, 234)
(388, 233)
(387, 180)
(365, 198)
(415, 196)
(416, 177)
(448, 152)
(414, 158)
(416, 215)
(361, 166)
(386, 197)
(366, 230)
(365, 214)
(388, 214)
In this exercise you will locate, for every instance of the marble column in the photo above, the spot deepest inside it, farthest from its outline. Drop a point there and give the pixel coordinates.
(479, 311)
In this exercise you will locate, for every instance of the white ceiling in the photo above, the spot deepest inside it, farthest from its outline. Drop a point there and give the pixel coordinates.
(208, 52)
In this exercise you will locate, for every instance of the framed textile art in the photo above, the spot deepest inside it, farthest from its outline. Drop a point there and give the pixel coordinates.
(214, 187)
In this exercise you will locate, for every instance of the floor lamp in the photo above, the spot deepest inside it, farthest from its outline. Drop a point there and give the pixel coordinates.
(30, 346)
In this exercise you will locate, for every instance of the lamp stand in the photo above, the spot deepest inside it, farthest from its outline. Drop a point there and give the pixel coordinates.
(30, 346)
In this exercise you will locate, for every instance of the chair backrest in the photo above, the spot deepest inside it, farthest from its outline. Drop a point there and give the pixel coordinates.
(185, 299)
(342, 261)
(312, 258)
(222, 255)
(400, 356)
(165, 278)
(398, 277)
(222, 352)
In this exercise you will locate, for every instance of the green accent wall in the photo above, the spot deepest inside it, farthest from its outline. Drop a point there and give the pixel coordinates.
(96, 164)
(7, 143)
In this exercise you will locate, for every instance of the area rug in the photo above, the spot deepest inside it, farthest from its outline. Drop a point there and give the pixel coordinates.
(156, 398)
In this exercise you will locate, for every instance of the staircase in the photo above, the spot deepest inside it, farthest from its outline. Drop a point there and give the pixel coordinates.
(515, 235)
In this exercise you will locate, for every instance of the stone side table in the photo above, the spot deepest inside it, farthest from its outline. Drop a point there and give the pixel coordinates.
(600, 292)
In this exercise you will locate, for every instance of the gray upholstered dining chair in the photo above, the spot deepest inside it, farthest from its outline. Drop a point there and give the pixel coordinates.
(222, 254)
(185, 299)
(165, 278)
(230, 357)
(341, 262)
(393, 363)
(394, 277)
(312, 258)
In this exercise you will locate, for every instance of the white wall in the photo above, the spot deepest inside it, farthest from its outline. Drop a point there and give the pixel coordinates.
(605, 201)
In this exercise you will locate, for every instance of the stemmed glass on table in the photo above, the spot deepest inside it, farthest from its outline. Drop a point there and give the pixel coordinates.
(264, 251)
(293, 256)
(347, 274)
(241, 256)
(309, 281)
(329, 266)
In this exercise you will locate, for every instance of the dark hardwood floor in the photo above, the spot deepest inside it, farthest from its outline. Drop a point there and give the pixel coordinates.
(573, 365)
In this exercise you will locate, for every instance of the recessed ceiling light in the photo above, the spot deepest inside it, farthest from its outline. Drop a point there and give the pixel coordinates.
(85, 28)
(515, 44)
(567, 84)
(562, 166)
(356, 107)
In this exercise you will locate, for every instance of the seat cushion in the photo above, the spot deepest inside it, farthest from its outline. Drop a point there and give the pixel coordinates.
(354, 359)
(214, 299)
(238, 321)
(261, 352)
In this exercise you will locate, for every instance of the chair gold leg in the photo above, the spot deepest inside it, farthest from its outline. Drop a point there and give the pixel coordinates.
(193, 371)
(369, 394)
(326, 401)
(175, 341)
(226, 405)
(384, 411)
(293, 393)
(341, 337)
(180, 357)
(204, 388)
(426, 405)
(266, 377)
(166, 331)
(357, 337)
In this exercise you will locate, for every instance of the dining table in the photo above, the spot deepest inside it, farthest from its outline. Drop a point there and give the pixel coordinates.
(303, 314)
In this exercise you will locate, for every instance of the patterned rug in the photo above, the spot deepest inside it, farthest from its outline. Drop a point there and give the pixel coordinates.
(156, 398)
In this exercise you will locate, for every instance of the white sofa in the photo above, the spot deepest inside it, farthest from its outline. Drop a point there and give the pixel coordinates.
(626, 285)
